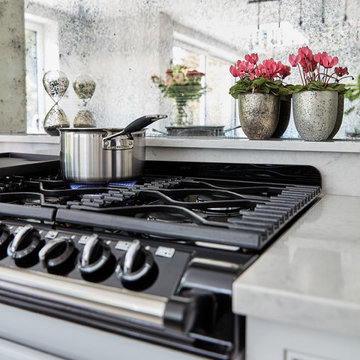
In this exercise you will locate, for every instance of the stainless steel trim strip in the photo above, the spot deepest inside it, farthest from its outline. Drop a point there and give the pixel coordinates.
(118, 303)
(217, 263)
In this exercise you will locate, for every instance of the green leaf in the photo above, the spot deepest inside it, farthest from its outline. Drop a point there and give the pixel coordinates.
(259, 85)
(350, 110)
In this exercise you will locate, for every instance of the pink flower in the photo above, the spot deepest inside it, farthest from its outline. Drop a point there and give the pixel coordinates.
(169, 80)
(284, 71)
(252, 59)
(329, 62)
(318, 58)
(340, 71)
(306, 58)
(179, 78)
(194, 73)
(312, 66)
(294, 59)
(242, 66)
(260, 70)
(305, 52)
(270, 68)
(233, 71)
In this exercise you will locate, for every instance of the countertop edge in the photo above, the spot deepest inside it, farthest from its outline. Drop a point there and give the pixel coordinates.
(308, 277)
(318, 313)
(39, 139)
(202, 142)
(346, 146)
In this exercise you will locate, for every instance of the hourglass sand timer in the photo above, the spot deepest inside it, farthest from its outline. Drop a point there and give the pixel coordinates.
(84, 87)
(55, 84)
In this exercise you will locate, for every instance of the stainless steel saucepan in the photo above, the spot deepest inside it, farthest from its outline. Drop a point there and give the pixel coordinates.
(90, 155)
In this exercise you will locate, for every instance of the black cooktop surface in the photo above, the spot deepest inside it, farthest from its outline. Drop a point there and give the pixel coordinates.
(230, 204)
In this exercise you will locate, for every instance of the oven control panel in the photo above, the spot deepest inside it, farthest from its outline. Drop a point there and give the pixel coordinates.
(109, 259)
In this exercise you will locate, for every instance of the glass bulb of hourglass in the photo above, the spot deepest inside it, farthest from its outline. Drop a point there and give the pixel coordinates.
(55, 83)
(84, 87)
(54, 120)
(84, 119)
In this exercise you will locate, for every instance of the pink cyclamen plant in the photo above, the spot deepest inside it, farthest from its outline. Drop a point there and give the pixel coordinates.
(266, 77)
(268, 69)
(254, 77)
(316, 67)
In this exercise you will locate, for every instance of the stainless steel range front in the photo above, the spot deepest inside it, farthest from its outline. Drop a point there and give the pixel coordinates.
(151, 259)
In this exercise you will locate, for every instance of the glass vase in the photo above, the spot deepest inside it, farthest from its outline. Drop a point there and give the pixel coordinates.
(182, 114)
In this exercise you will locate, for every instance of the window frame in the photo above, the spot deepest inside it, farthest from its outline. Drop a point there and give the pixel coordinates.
(46, 38)
(206, 51)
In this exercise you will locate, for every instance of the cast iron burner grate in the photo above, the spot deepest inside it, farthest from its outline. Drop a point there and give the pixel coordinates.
(229, 211)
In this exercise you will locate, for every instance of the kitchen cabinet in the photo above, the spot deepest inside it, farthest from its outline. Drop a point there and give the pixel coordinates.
(49, 338)
(273, 340)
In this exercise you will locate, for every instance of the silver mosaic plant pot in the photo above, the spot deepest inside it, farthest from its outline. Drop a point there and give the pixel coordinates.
(259, 115)
(315, 114)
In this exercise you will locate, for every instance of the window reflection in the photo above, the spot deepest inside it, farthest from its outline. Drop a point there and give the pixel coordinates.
(123, 43)
(32, 91)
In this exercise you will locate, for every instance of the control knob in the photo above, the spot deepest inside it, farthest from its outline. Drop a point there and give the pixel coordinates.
(96, 262)
(136, 269)
(24, 246)
(58, 255)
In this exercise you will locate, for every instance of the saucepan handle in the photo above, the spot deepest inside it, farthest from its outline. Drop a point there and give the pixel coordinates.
(134, 126)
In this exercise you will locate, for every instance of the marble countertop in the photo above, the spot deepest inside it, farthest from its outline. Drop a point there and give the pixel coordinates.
(205, 142)
(311, 275)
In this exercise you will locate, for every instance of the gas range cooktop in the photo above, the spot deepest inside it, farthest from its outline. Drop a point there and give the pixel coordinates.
(152, 258)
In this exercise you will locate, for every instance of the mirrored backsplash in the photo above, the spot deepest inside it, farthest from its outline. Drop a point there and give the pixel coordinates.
(122, 44)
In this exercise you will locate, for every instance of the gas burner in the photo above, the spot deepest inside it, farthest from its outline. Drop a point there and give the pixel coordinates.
(123, 183)
(85, 186)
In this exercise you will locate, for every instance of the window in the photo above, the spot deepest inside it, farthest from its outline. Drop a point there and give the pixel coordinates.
(216, 107)
(41, 55)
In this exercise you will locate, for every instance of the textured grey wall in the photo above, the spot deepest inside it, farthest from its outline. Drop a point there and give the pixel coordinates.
(120, 52)
(12, 67)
